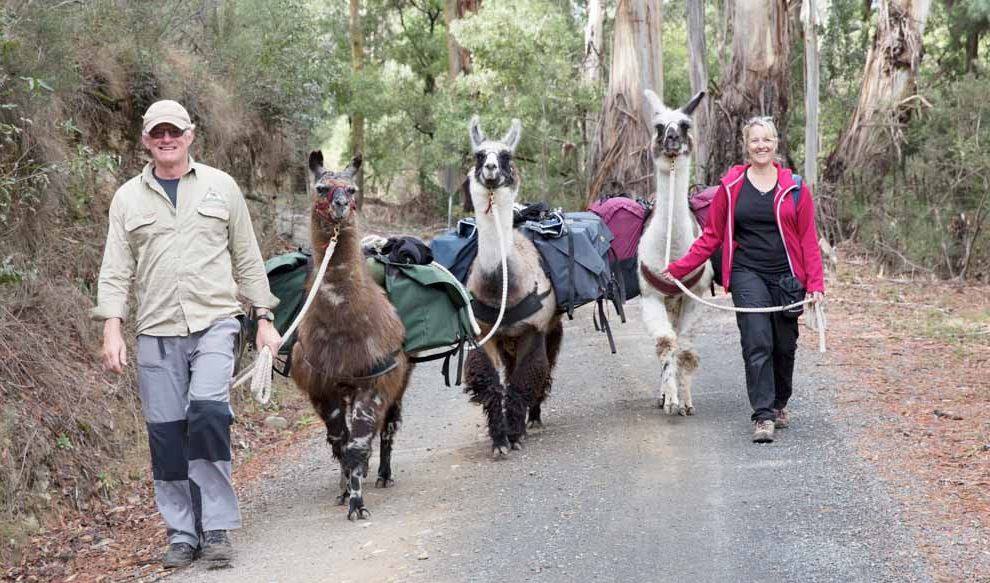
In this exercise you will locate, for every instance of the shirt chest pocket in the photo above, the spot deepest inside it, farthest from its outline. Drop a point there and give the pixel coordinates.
(140, 229)
(211, 223)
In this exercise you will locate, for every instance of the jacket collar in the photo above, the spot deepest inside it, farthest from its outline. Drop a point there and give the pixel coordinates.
(148, 176)
(785, 177)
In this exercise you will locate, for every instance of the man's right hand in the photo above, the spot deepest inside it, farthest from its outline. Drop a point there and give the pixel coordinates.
(114, 347)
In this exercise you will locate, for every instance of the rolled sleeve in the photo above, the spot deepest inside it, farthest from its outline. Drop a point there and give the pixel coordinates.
(249, 268)
(115, 271)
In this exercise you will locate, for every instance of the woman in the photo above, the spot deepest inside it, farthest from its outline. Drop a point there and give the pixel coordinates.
(765, 224)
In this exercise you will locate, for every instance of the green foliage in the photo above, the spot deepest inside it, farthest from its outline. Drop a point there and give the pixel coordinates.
(272, 51)
(933, 211)
(524, 57)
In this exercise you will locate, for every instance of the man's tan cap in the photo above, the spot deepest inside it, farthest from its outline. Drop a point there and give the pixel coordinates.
(167, 111)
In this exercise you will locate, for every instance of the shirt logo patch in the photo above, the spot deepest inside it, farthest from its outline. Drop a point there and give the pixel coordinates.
(213, 198)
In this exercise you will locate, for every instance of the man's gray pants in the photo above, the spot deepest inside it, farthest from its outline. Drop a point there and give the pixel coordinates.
(184, 383)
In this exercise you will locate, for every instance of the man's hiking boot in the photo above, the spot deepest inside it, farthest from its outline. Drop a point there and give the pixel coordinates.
(782, 421)
(763, 431)
(179, 555)
(217, 547)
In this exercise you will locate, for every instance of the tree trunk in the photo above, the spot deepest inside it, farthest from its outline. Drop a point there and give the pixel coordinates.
(591, 66)
(619, 159)
(756, 82)
(458, 62)
(876, 128)
(698, 56)
(458, 58)
(810, 18)
(357, 119)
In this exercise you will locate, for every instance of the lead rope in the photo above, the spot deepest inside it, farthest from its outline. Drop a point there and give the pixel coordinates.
(818, 309)
(505, 272)
(260, 371)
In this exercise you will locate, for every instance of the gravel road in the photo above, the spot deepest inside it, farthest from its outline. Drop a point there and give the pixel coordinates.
(610, 490)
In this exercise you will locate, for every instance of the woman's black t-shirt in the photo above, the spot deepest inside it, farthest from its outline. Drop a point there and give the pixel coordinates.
(760, 248)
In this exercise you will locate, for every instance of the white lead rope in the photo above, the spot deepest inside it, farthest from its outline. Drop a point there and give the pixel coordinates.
(260, 371)
(505, 272)
(818, 308)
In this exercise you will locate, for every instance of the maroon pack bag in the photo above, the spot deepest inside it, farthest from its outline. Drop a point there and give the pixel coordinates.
(626, 218)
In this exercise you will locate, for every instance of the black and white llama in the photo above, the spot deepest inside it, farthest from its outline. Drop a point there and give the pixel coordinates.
(527, 342)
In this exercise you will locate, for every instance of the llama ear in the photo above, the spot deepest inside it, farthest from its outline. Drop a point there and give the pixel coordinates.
(511, 138)
(354, 166)
(656, 105)
(476, 133)
(316, 163)
(690, 107)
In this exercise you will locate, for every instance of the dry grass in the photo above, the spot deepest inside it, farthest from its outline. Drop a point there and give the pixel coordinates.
(915, 356)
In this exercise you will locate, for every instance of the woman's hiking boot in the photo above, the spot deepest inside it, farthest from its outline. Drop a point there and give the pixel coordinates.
(782, 421)
(763, 431)
(179, 555)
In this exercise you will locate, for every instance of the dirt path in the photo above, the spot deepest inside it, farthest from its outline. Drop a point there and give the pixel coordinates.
(611, 490)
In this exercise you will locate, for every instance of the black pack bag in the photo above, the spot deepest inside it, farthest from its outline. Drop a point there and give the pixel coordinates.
(791, 291)
(457, 248)
(574, 249)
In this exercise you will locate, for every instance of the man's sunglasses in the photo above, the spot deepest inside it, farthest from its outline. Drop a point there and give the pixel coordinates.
(158, 132)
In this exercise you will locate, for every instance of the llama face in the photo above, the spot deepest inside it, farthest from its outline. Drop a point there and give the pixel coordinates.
(672, 127)
(335, 200)
(493, 158)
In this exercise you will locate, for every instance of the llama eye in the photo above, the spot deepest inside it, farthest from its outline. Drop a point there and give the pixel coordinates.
(685, 126)
(479, 157)
(504, 159)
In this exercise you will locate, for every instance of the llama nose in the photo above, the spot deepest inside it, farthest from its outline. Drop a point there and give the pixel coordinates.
(490, 167)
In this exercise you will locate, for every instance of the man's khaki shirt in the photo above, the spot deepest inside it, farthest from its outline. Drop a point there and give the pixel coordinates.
(188, 263)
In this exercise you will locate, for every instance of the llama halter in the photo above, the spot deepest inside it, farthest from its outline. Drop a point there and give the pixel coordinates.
(819, 309)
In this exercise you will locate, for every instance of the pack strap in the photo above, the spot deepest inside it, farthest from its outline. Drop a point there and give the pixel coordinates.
(380, 368)
(446, 355)
(604, 325)
(665, 288)
(525, 308)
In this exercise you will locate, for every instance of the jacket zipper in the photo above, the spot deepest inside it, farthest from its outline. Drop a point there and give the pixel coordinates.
(780, 228)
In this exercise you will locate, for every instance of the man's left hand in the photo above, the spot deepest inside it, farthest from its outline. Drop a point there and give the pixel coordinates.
(267, 336)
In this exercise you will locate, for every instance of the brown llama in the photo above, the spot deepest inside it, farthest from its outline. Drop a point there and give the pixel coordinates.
(348, 357)
(527, 341)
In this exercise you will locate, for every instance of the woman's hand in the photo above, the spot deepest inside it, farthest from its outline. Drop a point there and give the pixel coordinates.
(817, 298)
(667, 278)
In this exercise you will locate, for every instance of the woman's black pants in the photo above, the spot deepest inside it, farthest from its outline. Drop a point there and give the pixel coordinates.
(769, 342)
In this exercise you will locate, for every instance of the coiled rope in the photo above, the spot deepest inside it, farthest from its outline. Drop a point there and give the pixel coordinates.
(818, 308)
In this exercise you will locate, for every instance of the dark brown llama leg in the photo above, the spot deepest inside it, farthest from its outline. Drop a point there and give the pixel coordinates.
(481, 382)
(554, 338)
(392, 421)
(334, 411)
(358, 450)
(531, 373)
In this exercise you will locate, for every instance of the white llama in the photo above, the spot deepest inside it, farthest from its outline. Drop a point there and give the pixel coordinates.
(667, 313)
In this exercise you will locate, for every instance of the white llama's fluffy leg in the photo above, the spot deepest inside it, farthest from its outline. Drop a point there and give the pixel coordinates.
(657, 321)
(687, 358)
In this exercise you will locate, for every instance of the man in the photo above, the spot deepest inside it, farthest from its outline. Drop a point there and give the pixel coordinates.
(182, 231)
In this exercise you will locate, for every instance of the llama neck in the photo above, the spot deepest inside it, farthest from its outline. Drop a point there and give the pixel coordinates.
(347, 262)
(682, 228)
(489, 257)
